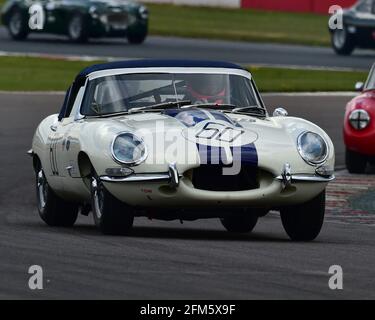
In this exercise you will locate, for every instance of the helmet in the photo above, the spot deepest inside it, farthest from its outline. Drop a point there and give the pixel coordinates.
(206, 84)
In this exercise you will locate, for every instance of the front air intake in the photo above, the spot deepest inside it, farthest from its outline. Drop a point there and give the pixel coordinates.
(210, 177)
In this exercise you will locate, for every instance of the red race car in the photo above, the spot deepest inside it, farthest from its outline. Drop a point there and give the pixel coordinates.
(359, 127)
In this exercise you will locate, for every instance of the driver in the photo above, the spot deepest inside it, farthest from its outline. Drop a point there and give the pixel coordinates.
(206, 88)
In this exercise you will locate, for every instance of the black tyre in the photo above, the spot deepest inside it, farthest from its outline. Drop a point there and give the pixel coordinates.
(53, 210)
(77, 29)
(137, 37)
(111, 216)
(342, 41)
(303, 222)
(240, 223)
(17, 25)
(355, 162)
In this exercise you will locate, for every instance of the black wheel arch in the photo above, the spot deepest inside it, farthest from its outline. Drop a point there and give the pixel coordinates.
(6, 16)
(37, 163)
(85, 167)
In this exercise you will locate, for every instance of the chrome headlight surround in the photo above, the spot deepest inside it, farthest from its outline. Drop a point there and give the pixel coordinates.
(305, 148)
(143, 12)
(359, 119)
(128, 144)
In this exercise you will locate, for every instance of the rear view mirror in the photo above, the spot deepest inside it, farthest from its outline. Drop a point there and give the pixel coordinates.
(359, 86)
(280, 112)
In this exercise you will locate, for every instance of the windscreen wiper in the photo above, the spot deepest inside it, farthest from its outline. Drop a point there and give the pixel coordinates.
(164, 105)
(217, 106)
(228, 107)
(255, 109)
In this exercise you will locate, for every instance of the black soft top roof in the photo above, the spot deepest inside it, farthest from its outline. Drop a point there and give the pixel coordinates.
(142, 63)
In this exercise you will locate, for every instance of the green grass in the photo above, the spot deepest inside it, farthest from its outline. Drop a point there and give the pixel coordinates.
(37, 74)
(292, 80)
(237, 24)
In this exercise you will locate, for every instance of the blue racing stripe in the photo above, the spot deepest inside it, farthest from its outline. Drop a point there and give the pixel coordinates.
(191, 117)
(246, 154)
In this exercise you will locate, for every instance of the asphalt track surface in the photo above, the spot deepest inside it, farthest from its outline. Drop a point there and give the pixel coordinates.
(178, 48)
(166, 260)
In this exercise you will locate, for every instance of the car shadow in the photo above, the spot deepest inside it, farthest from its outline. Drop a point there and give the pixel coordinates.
(193, 234)
(157, 232)
(370, 169)
(173, 233)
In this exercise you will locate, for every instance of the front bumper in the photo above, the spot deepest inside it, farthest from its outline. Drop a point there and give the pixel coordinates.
(117, 25)
(171, 177)
(170, 189)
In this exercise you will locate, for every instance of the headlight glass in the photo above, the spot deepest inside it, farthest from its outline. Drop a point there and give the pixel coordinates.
(359, 119)
(312, 147)
(129, 149)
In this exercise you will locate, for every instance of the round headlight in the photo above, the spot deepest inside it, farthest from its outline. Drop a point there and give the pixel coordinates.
(312, 147)
(129, 149)
(359, 119)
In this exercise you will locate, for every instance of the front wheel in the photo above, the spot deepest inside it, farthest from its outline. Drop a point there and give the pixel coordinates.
(240, 223)
(355, 162)
(111, 216)
(303, 222)
(342, 41)
(53, 210)
(77, 29)
(17, 25)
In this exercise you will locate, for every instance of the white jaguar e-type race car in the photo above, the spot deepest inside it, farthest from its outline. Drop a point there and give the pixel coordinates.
(178, 140)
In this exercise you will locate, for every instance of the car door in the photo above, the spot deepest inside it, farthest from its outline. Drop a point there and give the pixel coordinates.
(71, 130)
(55, 12)
(53, 168)
(56, 144)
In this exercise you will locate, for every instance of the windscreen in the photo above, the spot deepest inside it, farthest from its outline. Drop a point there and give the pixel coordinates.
(120, 93)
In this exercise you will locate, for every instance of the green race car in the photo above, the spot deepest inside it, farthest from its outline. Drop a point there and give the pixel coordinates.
(79, 19)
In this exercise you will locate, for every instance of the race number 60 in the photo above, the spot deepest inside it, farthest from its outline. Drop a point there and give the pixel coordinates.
(218, 131)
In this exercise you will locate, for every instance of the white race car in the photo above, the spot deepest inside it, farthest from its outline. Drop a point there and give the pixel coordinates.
(178, 140)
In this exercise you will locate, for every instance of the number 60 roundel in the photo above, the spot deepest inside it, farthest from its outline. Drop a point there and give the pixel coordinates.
(220, 132)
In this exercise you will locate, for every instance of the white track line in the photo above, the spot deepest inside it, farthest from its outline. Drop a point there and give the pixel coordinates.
(312, 94)
(33, 93)
(62, 56)
(298, 67)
